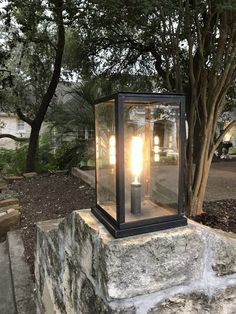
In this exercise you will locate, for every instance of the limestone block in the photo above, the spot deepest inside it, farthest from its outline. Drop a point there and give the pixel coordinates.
(140, 264)
(81, 268)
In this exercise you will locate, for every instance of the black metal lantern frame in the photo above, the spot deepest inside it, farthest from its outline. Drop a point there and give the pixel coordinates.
(118, 224)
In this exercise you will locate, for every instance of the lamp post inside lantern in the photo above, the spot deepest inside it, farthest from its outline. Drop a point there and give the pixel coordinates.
(139, 162)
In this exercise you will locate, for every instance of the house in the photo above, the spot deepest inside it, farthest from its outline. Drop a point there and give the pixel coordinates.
(231, 135)
(11, 124)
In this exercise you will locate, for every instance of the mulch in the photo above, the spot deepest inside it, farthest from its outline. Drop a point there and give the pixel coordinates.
(55, 196)
(219, 214)
(48, 197)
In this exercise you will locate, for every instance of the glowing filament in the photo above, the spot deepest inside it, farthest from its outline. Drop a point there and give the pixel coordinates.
(136, 157)
(170, 141)
(156, 157)
(112, 150)
(156, 140)
(156, 148)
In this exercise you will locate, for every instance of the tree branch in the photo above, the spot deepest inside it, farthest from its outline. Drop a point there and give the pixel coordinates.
(13, 137)
(226, 130)
(23, 117)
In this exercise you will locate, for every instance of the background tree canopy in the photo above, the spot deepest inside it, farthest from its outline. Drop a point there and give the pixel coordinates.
(189, 45)
(174, 46)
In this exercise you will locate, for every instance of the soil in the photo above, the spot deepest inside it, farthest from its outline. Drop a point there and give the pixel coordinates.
(48, 197)
(55, 196)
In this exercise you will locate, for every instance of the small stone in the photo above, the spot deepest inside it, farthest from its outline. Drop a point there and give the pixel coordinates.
(8, 202)
(11, 179)
(30, 175)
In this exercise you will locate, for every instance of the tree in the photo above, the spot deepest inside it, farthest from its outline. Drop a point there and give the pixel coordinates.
(41, 39)
(190, 45)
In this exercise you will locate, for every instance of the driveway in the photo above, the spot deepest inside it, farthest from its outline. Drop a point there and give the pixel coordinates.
(222, 181)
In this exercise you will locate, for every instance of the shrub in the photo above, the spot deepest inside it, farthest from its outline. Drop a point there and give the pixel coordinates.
(13, 161)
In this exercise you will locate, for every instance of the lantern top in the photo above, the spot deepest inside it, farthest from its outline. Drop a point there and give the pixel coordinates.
(140, 95)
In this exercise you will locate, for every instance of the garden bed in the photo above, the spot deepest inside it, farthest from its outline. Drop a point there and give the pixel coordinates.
(55, 196)
(220, 215)
(48, 197)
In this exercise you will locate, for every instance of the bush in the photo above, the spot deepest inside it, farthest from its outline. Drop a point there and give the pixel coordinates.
(74, 153)
(13, 161)
(46, 160)
(66, 156)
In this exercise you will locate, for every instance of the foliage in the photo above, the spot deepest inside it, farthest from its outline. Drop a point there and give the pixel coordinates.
(37, 30)
(75, 114)
(73, 154)
(13, 161)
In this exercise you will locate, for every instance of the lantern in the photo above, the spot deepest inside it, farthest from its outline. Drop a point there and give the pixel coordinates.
(140, 162)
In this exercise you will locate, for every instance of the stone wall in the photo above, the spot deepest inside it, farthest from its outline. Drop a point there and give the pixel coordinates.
(81, 268)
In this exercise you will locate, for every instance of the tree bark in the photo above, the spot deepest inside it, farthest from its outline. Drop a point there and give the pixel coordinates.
(32, 148)
(40, 115)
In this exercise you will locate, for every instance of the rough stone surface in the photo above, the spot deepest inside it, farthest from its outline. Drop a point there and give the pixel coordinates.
(196, 303)
(81, 268)
(224, 253)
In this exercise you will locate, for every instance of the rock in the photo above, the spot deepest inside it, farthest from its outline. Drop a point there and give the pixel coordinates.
(6, 208)
(9, 220)
(9, 202)
(30, 175)
(60, 172)
(11, 179)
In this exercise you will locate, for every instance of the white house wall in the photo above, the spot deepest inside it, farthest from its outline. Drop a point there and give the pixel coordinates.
(11, 127)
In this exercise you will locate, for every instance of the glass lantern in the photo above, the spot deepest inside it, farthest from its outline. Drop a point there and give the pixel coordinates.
(140, 162)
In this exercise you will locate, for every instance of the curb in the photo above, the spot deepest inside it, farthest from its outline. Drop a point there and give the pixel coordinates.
(21, 277)
(86, 177)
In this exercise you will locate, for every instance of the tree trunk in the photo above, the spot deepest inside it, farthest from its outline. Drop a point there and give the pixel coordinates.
(196, 204)
(40, 115)
(32, 148)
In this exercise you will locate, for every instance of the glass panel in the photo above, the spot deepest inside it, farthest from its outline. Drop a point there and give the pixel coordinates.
(106, 156)
(151, 132)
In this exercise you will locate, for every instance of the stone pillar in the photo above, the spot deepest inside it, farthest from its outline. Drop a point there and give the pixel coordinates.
(81, 268)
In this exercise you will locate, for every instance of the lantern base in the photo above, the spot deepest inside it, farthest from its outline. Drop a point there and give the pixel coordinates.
(130, 229)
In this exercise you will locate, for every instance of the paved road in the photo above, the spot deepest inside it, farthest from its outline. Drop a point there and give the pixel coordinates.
(222, 181)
